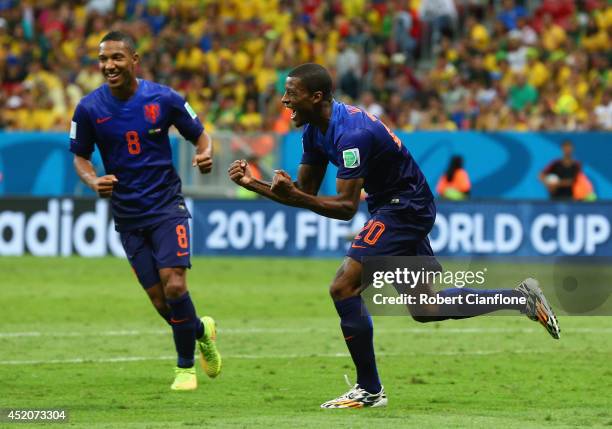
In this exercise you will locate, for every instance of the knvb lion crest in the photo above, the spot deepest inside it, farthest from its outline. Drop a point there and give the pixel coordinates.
(151, 112)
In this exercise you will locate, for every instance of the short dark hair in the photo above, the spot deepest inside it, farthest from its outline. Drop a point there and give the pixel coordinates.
(456, 162)
(315, 78)
(120, 36)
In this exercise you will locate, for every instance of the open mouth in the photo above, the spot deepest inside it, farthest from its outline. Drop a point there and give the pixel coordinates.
(113, 77)
(293, 114)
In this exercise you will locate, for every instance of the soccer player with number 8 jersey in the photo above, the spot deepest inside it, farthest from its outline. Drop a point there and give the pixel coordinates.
(128, 120)
(369, 156)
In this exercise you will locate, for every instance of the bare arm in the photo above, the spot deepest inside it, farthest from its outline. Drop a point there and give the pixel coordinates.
(102, 185)
(309, 181)
(203, 157)
(310, 178)
(342, 206)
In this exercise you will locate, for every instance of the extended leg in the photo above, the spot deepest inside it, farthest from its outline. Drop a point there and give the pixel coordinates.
(527, 298)
(458, 306)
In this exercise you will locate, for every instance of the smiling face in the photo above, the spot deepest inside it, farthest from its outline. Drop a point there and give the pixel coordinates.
(300, 100)
(117, 63)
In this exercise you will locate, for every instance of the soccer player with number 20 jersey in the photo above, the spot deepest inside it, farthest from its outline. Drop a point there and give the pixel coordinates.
(369, 156)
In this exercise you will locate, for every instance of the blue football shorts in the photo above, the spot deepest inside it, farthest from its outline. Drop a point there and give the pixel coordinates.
(392, 232)
(163, 245)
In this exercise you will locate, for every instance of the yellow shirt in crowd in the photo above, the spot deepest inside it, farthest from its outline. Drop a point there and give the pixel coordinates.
(480, 37)
(553, 37)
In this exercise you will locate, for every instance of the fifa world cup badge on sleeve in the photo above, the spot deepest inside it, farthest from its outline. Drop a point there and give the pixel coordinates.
(351, 158)
(190, 110)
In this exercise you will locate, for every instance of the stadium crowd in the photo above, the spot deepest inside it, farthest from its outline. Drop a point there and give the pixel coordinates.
(418, 64)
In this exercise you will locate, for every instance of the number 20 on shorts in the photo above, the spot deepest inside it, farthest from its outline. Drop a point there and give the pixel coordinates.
(371, 232)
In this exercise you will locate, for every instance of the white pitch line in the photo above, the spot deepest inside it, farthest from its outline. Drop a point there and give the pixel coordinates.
(93, 332)
(86, 360)
(120, 359)
(241, 331)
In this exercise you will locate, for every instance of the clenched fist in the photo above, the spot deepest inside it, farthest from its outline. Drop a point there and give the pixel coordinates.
(282, 185)
(104, 185)
(203, 161)
(240, 173)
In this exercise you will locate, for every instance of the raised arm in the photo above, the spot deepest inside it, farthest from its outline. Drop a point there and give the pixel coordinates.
(309, 180)
(303, 193)
(342, 206)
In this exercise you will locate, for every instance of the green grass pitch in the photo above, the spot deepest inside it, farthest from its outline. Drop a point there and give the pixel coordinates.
(80, 334)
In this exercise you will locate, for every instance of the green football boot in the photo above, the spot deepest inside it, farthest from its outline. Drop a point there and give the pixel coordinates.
(209, 355)
(185, 379)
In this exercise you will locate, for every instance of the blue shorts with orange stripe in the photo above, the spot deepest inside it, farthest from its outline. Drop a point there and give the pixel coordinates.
(393, 232)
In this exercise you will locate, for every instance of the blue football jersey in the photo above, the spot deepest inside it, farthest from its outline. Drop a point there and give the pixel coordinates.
(132, 137)
(361, 146)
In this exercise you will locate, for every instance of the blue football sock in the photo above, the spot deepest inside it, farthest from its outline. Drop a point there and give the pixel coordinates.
(465, 310)
(199, 328)
(183, 321)
(358, 331)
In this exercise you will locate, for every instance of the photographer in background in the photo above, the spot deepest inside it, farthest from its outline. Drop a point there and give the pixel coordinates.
(560, 175)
